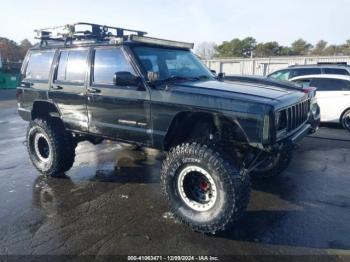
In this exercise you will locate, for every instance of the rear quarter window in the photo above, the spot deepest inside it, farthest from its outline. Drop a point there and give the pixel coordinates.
(328, 84)
(336, 71)
(39, 65)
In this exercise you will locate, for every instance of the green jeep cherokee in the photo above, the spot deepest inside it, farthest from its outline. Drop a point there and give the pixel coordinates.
(92, 82)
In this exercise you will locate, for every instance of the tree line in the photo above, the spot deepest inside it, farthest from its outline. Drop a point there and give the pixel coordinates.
(12, 51)
(249, 47)
(244, 48)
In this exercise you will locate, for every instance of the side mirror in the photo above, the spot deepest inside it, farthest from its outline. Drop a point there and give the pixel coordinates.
(125, 78)
(221, 76)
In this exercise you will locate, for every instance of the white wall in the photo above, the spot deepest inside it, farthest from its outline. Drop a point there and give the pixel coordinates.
(263, 66)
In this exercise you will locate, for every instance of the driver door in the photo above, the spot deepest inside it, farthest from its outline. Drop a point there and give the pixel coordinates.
(119, 112)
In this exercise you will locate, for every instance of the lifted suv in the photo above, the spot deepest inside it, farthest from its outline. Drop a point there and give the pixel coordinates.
(101, 83)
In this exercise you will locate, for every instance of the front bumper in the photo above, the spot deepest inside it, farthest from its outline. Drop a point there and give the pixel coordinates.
(290, 141)
(300, 134)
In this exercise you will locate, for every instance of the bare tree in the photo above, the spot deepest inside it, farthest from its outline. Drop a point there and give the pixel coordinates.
(205, 50)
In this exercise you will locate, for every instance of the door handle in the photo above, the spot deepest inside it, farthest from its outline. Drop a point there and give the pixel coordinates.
(93, 90)
(57, 87)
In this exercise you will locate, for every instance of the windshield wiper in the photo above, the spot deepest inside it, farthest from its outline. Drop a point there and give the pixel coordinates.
(176, 78)
(172, 79)
(201, 77)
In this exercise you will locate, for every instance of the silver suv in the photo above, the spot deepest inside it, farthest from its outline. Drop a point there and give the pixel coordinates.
(301, 70)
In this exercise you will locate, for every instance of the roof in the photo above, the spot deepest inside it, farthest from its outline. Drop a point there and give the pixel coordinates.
(329, 76)
(330, 65)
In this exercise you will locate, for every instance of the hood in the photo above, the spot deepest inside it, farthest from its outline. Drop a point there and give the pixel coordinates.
(254, 92)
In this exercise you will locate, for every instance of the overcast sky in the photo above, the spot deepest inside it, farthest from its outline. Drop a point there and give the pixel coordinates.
(189, 20)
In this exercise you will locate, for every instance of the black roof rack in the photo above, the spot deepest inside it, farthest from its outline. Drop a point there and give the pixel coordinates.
(82, 31)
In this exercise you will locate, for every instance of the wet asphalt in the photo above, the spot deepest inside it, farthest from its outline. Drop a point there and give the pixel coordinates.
(110, 202)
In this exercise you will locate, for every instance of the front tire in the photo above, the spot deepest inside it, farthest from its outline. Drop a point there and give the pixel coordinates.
(274, 165)
(50, 148)
(345, 121)
(203, 188)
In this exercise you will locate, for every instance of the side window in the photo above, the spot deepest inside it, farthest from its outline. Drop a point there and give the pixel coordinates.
(305, 83)
(72, 66)
(336, 71)
(305, 71)
(281, 75)
(150, 63)
(326, 84)
(62, 65)
(39, 65)
(107, 62)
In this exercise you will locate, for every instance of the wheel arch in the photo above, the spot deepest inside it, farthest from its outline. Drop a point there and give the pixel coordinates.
(188, 125)
(42, 108)
(342, 113)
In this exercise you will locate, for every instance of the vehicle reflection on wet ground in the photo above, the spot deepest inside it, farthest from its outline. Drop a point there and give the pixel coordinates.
(110, 203)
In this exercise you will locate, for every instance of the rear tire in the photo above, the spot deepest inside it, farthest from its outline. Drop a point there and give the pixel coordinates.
(345, 120)
(203, 188)
(51, 149)
(274, 165)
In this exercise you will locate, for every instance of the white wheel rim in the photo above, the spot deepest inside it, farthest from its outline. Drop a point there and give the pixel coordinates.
(38, 150)
(187, 195)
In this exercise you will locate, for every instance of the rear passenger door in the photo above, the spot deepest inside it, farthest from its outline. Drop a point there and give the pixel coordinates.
(336, 71)
(120, 112)
(68, 87)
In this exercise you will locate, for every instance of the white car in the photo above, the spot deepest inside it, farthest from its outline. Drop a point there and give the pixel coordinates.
(333, 96)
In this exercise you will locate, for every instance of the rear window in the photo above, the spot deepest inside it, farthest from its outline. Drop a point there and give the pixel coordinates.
(39, 65)
(305, 71)
(336, 71)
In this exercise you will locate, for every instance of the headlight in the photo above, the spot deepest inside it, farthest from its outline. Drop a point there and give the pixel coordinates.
(313, 105)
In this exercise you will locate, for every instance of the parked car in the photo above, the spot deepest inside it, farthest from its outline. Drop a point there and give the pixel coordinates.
(333, 96)
(103, 83)
(300, 70)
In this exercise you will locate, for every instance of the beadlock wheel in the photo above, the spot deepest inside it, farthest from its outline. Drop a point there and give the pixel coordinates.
(203, 187)
(50, 148)
(197, 188)
(42, 148)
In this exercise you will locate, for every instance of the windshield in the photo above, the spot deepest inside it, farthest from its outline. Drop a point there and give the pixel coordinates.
(172, 64)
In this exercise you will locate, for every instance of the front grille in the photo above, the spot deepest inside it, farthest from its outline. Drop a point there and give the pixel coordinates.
(297, 115)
